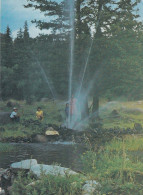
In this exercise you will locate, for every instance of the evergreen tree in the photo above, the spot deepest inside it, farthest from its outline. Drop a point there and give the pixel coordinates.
(7, 49)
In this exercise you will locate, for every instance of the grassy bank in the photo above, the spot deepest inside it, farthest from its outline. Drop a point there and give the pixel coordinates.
(28, 124)
(111, 166)
(128, 113)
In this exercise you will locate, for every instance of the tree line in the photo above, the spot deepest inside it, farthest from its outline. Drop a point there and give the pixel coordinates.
(115, 63)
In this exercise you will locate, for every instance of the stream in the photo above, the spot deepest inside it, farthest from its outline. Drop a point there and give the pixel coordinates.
(66, 154)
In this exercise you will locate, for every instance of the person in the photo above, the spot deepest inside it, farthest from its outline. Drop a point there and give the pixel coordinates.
(73, 108)
(67, 114)
(39, 114)
(14, 115)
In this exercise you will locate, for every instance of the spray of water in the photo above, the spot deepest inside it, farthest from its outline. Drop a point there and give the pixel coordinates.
(82, 99)
(72, 31)
(85, 121)
(46, 78)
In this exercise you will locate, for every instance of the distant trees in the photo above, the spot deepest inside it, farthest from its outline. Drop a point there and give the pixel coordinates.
(114, 67)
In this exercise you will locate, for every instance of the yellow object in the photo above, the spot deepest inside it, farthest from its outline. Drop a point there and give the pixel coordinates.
(39, 114)
(52, 133)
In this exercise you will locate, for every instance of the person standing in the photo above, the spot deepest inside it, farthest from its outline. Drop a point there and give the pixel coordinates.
(73, 109)
(67, 112)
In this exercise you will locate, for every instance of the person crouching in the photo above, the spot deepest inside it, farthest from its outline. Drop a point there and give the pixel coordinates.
(39, 114)
(14, 115)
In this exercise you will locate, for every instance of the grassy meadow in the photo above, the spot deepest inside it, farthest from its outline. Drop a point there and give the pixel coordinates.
(129, 113)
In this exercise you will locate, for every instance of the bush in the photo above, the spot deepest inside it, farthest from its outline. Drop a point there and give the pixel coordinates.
(47, 185)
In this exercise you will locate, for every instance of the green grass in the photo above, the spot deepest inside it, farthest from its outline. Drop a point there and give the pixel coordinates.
(129, 114)
(58, 185)
(115, 168)
(131, 143)
(52, 115)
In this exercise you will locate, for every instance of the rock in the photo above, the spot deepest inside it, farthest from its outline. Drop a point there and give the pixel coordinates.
(51, 169)
(2, 192)
(5, 117)
(24, 164)
(51, 133)
(138, 126)
(40, 138)
(12, 104)
(115, 114)
(89, 187)
(6, 180)
(50, 129)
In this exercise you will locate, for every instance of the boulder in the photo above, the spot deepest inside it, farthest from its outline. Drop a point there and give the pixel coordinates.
(51, 169)
(5, 180)
(138, 127)
(12, 104)
(115, 114)
(2, 192)
(50, 129)
(5, 117)
(24, 164)
(89, 187)
(51, 133)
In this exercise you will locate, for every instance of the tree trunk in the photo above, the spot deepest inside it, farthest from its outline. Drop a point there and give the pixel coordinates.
(85, 109)
(95, 108)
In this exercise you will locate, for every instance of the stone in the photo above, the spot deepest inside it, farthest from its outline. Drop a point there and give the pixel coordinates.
(5, 117)
(51, 133)
(24, 164)
(115, 114)
(89, 187)
(12, 104)
(138, 127)
(2, 192)
(50, 129)
(51, 169)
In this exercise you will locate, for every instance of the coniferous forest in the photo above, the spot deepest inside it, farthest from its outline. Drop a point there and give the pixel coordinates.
(115, 63)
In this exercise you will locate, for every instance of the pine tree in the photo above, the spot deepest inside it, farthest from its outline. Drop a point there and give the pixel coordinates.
(7, 50)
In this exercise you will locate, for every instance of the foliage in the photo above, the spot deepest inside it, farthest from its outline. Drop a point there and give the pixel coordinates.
(68, 185)
(115, 169)
(115, 61)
